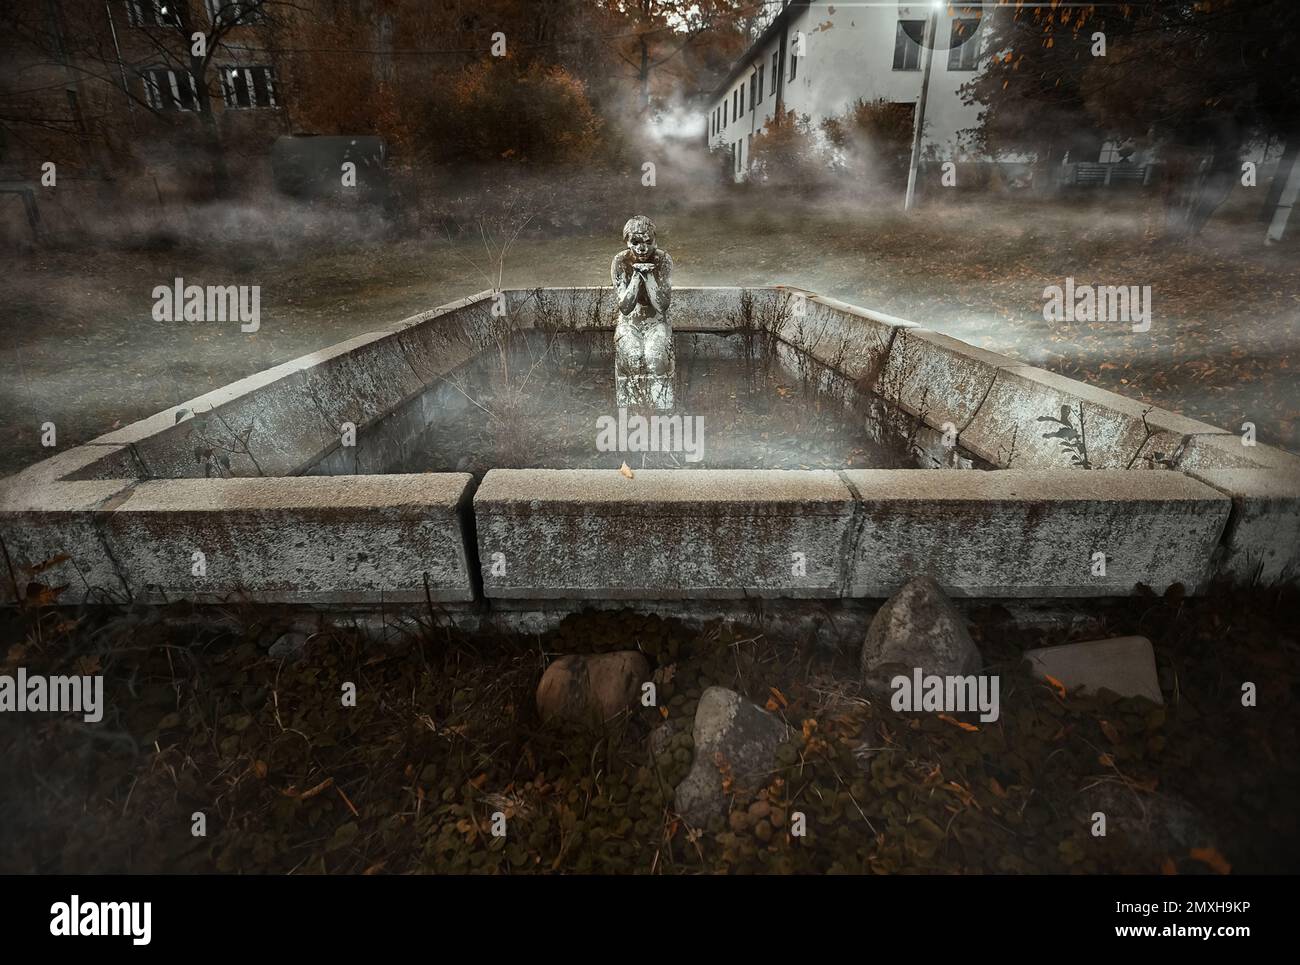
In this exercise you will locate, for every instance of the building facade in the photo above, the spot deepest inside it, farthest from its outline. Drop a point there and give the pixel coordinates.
(818, 57)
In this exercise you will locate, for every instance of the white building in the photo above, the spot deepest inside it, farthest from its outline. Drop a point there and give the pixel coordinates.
(818, 57)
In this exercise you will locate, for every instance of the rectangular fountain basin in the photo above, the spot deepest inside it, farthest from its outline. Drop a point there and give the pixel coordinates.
(280, 487)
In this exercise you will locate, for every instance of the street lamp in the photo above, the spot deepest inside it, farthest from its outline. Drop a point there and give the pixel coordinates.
(928, 41)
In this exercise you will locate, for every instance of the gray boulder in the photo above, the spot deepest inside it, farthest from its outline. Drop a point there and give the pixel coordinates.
(733, 739)
(917, 627)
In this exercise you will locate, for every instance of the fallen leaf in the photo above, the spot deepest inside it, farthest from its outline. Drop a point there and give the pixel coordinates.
(958, 723)
(1056, 685)
(625, 471)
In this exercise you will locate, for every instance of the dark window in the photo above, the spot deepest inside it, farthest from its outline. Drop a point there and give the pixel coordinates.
(247, 86)
(741, 92)
(794, 62)
(907, 44)
(753, 92)
(153, 13)
(776, 68)
(170, 90)
(963, 52)
(236, 11)
(760, 83)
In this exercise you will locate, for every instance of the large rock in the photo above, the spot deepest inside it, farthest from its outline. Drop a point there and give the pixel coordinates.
(590, 689)
(733, 739)
(1125, 665)
(917, 627)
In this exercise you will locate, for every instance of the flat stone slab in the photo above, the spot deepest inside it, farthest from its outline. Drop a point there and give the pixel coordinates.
(1125, 665)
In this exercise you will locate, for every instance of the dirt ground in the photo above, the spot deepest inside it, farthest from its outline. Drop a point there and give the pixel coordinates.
(444, 735)
(82, 350)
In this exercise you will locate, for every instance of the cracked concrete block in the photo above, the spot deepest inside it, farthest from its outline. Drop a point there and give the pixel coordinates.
(347, 539)
(89, 461)
(1028, 534)
(438, 343)
(704, 308)
(360, 380)
(850, 340)
(279, 424)
(577, 309)
(937, 378)
(664, 534)
(1225, 451)
(1261, 545)
(52, 535)
(1006, 430)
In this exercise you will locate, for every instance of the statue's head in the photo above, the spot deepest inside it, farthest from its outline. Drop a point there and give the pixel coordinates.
(639, 233)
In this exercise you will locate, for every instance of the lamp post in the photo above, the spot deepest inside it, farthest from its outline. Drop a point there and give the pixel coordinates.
(928, 42)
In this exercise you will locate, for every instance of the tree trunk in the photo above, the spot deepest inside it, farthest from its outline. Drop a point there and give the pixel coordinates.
(213, 145)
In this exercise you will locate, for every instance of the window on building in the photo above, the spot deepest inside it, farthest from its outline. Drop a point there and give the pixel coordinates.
(170, 90)
(963, 51)
(761, 68)
(236, 11)
(794, 63)
(753, 92)
(153, 13)
(907, 44)
(735, 99)
(247, 86)
(741, 92)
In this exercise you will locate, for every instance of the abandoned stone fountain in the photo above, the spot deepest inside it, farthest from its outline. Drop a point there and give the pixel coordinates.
(998, 480)
(290, 483)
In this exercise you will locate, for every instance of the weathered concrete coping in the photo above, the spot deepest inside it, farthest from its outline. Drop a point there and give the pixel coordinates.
(770, 533)
(529, 492)
(331, 539)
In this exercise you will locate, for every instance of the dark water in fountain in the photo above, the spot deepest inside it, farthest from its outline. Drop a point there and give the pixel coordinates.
(542, 400)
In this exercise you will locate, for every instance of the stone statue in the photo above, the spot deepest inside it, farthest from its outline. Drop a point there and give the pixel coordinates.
(643, 337)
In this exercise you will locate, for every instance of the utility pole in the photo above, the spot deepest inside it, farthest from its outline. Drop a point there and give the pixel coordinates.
(931, 33)
(1289, 175)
